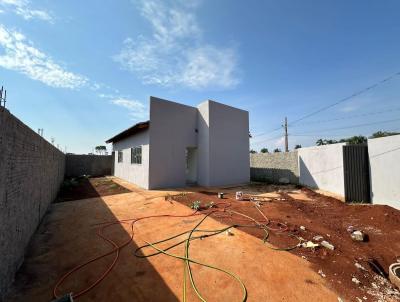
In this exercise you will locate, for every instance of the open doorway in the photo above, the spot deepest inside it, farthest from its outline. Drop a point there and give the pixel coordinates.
(191, 165)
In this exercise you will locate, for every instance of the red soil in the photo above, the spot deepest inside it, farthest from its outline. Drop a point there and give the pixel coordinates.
(330, 218)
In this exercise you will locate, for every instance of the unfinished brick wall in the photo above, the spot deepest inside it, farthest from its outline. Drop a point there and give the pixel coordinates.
(31, 171)
(275, 167)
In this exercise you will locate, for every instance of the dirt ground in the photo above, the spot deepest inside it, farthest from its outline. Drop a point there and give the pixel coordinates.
(88, 187)
(67, 237)
(330, 218)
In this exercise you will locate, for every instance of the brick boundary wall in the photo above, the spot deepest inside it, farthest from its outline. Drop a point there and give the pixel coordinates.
(93, 165)
(31, 171)
(279, 167)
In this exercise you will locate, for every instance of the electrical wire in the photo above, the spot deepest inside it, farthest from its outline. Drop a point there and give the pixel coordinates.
(221, 208)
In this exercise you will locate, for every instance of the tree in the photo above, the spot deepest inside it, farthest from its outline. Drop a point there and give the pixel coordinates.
(253, 151)
(355, 140)
(383, 134)
(297, 146)
(320, 142)
(100, 149)
(264, 150)
(277, 150)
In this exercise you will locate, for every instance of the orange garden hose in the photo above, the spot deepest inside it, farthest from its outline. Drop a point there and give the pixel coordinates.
(220, 209)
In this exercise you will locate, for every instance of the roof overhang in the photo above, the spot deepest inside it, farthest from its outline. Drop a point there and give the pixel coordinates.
(139, 127)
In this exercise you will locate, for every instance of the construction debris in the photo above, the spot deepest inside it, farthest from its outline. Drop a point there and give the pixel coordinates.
(318, 238)
(327, 245)
(358, 236)
(309, 244)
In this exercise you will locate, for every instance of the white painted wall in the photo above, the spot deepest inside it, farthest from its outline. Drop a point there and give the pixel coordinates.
(203, 145)
(134, 173)
(229, 158)
(384, 158)
(322, 167)
(172, 130)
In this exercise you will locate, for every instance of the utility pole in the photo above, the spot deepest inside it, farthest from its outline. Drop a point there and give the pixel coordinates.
(286, 137)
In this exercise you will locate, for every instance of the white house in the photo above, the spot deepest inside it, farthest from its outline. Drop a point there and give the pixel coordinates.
(180, 145)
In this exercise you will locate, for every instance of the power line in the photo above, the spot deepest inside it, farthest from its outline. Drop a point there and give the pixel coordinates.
(349, 117)
(346, 98)
(334, 104)
(348, 127)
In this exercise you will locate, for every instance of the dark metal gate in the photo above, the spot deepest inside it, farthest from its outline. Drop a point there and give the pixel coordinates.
(356, 173)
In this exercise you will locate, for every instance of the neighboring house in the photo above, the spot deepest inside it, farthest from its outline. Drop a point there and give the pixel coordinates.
(181, 145)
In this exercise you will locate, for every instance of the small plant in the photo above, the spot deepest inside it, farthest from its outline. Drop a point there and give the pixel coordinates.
(210, 205)
(195, 205)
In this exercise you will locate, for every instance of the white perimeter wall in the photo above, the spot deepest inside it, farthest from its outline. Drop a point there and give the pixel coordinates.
(172, 130)
(322, 167)
(229, 158)
(384, 158)
(134, 173)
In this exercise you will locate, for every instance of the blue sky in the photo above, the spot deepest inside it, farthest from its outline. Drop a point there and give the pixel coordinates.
(84, 70)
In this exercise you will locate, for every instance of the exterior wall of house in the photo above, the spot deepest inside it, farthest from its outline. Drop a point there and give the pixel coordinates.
(384, 159)
(229, 159)
(203, 142)
(321, 167)
(134, 173)
(172, 129)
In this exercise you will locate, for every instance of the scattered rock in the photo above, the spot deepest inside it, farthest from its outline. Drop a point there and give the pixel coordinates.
(302, 227)
(327, 245)
(355, 280)
(318, 238)
(357, 236)
(359, 266)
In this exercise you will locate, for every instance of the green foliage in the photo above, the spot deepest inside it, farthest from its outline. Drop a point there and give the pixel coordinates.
(253, 151)
(210, 205)
(277, 150)
(101, 149)
(297, 146)
(383, 134)
(354, 140)
(264, 150)
(195, 205)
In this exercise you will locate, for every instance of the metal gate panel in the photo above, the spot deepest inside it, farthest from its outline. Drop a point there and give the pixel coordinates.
(356, 173)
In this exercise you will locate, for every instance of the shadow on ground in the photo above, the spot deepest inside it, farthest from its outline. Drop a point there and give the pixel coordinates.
(66, 238)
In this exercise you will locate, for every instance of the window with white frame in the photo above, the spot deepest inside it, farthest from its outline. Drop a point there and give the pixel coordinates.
(136, 155)
(120, 156)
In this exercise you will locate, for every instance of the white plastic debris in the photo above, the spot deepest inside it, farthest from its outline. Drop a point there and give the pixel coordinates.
(318, 238)
(310, 244)
(355, 280)
(321, 273)
(302, 227)
(327, 245)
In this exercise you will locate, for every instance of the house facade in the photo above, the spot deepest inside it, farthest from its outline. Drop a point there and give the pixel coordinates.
(207, 145)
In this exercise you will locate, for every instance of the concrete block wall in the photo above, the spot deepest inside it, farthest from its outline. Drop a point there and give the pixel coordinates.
(275, 167)
(31, 171)
(384, 160)
(93, 165)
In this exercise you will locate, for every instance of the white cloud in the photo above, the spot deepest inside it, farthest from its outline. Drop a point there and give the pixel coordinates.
(136, 109)
(175, 54)
(280, 142)
(20, 55)
(23, 9)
